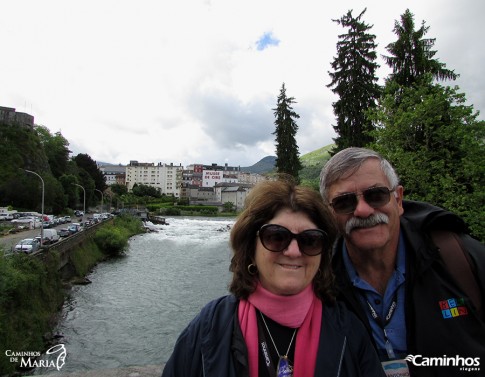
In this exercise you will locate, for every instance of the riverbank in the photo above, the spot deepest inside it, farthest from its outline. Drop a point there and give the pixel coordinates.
(138, 304)
(33, 289)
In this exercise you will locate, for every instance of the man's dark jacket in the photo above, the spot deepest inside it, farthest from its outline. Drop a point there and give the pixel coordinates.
(212, 345)
(428, 282)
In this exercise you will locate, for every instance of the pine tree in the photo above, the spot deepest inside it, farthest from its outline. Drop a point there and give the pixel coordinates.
(412, 54)
(287, 154)
(354, 81)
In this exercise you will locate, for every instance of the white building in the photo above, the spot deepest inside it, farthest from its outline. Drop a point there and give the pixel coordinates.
(113, 174)
(234, 193)
(165, 178)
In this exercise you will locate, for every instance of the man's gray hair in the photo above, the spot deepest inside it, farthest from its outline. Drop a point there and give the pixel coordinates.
(347, 162)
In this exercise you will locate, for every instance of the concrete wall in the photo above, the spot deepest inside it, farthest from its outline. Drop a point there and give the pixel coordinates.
(64, 247)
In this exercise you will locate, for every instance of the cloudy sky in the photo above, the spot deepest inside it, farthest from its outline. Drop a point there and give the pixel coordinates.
(195, 81)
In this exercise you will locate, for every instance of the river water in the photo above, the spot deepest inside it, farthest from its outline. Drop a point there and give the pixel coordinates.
(138, 304)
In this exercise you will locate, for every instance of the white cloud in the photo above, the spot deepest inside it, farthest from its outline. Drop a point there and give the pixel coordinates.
(185, 82)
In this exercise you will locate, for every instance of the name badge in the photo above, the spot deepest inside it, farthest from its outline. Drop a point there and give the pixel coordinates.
(396, 368)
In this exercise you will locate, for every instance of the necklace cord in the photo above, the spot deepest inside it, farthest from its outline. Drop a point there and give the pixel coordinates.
(274, 344)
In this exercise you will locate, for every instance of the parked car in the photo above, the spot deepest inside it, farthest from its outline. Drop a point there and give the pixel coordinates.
(6, 216)
(67, 219)
(50, 236)
(28, 245)
(64, 232)
(74, 228)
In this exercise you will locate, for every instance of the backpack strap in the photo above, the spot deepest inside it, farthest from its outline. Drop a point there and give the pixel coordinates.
(459, 264)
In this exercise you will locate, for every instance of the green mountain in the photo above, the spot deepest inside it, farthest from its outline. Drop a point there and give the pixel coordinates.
(317, 158)
(265, 165)
(312, 165)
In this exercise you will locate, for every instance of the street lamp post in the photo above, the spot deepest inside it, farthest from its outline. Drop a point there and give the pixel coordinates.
(42, 208)
(84, 203)
(101, 198)
(110, 199)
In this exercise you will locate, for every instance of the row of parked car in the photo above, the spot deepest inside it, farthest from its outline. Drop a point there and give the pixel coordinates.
(52, 221)
(30, 245)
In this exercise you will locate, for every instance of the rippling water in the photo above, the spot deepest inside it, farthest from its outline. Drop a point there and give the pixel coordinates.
(138, 304)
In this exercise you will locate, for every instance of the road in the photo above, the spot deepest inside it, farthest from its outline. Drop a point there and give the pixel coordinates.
(9, 241)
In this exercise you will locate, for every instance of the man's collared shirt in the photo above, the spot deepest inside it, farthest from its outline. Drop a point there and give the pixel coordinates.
(395, 328)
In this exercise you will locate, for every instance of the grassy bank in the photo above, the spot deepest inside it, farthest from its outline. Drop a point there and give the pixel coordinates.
(32, 293)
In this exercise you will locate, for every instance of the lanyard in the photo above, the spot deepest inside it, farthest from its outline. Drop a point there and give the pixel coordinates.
(385, 322)
(283, 368)
(264, 349)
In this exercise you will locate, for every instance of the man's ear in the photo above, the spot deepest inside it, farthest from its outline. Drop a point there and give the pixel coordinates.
(399, 195)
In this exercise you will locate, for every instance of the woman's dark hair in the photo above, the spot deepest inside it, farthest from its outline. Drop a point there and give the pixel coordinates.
(262, 204)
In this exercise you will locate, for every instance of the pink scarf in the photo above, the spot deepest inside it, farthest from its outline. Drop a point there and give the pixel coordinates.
(303, 310)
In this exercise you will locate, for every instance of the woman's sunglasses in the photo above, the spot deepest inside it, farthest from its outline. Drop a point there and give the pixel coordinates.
(375, 197)
(277, 238)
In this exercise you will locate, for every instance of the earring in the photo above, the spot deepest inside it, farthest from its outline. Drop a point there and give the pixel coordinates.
(252, 269)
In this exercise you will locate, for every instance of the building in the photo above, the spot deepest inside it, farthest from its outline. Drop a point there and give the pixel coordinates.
(114, 174)
(9, 116)
(192, 175)
(250, 178)
(166, 178)
(214, 174)
(234, 193)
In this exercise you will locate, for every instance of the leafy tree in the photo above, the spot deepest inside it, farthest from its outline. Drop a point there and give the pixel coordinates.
(20, 149)
(86, 181)
(85, 162)
(436, 144)
(287, 154)
(145, 190)
(411, 56)
(56, 148)
(229, 207)
(354, 81)
(118, 189)
(70, 190)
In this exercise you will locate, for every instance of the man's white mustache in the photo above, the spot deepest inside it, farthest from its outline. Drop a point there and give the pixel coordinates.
(372, 220)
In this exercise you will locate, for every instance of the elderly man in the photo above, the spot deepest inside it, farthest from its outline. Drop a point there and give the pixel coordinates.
(392, 275)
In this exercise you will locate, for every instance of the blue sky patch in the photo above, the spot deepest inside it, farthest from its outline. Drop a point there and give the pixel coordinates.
(266, 40)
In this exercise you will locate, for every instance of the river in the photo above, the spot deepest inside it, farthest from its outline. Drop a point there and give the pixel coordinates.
(137, 304)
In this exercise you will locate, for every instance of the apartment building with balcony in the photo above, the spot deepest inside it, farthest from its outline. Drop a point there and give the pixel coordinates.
(167, 178)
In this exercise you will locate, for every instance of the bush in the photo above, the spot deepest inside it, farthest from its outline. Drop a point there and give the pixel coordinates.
(170, 211)
(212, 210)
(113, 239)
(30, 292)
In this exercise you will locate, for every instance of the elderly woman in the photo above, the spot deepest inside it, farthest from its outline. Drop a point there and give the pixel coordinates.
(281, 318)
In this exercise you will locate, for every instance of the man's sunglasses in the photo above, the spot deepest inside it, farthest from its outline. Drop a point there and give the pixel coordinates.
(277, 238)
(375, 197)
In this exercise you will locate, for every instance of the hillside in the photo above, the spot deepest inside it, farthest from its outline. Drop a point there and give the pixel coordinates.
(313, 163)
(317, 158)
(265, 165)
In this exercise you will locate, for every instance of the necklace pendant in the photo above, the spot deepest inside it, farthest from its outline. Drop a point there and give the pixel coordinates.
(284, 368)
